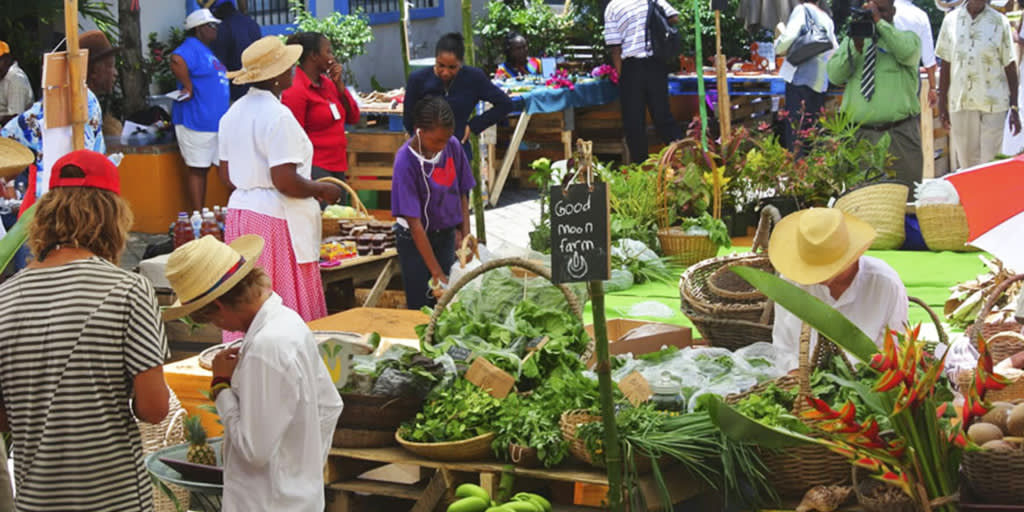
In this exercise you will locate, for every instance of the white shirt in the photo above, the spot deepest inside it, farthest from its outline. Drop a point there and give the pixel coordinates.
(811, 73)
(875, 300)
(258, 132)
(279, 417)
(15, 92)
(911, 17)
(625, 23)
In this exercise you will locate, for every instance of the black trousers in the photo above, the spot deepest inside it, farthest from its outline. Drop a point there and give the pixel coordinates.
(643, 87)
(804, 106)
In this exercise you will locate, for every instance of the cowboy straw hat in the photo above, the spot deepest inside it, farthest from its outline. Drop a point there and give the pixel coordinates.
(14, 158)
(814, 245)
(204, 269)
(264, 59)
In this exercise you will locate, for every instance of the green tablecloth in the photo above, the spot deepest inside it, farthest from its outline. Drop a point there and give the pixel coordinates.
(927, 276)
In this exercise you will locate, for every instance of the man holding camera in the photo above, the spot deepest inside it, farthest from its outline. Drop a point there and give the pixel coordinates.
(878, 65)
(977, 82)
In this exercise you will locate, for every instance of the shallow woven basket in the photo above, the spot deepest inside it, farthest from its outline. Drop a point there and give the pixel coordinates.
(169, 432)
(332, 227)
(359, 438)
(893, 498)
(944, 227)
(702, 286)
(685, 250)
(883, 206)
(996, 477)
(475, 448)
(726, 333)
(372, 412)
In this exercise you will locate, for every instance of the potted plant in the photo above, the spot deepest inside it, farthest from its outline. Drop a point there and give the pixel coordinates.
(157, 62)
(348, 33)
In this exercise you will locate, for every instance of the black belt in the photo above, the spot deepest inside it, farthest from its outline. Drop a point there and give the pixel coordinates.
(884, 127)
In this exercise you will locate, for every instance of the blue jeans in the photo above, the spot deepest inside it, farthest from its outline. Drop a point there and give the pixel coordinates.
(415, 275)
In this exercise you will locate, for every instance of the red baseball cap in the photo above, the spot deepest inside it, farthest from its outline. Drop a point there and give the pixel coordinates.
(100, 172)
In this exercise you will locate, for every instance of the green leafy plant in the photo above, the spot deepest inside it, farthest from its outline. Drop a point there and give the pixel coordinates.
(348, 33)
(545, 32)
(456, 413)
(157, 62)
(736, 38)
(716, 229)
(633, 196)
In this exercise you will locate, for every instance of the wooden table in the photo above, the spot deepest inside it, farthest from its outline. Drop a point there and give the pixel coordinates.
(379, 269)
(344, 465)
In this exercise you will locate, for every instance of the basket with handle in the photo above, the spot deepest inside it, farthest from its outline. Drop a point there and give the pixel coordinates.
(453, 289)
(570, 422)
(793, 471)
(332, 227)
(675, 243)
(995, 476)
(157, 436)
(724, 308)
(883, 205)
(875, 496)
(1002, 346)
(944, 227)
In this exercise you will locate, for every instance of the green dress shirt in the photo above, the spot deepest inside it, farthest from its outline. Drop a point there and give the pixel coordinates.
(897, 80)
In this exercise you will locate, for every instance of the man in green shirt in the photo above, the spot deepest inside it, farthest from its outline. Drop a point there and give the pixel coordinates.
(882, 83)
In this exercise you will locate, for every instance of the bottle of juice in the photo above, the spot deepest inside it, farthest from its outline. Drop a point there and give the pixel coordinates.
(209, 227)
(220, 214)
(183, 230)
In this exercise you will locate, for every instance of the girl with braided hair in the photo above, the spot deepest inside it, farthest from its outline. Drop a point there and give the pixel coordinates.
(430, 200)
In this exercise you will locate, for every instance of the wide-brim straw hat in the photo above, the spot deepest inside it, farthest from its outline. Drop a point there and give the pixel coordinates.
(264, 59)
(814, 245)
(14, 158)
(204, 269)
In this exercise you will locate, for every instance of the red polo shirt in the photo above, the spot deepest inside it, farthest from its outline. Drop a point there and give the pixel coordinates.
(311, 105)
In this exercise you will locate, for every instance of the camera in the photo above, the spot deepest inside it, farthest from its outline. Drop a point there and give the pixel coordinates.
(862, 23)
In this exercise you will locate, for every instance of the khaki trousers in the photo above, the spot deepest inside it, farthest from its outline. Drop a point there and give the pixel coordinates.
(976, 137)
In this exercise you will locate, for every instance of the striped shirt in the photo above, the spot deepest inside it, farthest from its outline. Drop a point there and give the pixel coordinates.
(74, 337)
(625, 23)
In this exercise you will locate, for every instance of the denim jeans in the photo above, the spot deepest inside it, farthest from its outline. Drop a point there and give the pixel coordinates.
(415, 274)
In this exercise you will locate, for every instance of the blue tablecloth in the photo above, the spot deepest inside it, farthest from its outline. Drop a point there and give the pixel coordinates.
(543, 100)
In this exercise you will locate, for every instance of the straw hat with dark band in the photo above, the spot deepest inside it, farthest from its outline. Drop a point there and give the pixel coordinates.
(204, 269)
(265, 59)
(14, 158)
(814, 245)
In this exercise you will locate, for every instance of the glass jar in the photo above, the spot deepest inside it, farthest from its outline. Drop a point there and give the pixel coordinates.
(667, 394)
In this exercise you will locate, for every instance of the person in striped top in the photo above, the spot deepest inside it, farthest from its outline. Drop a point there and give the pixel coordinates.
(643, 78)
(82, 351)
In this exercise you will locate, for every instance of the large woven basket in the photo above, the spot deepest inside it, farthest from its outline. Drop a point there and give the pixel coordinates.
(571, 421)
(1014, 389)
(996, 477)
(372, 412)
(944, 227)
(884, 206)
(157, 436)
(332, 227)
(475, 448)
(683, 249)
(1002, 346)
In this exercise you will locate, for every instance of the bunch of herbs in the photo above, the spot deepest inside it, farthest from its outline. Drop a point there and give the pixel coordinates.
(458, 412)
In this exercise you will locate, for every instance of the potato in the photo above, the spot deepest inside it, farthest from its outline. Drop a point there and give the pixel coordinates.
(997, 445)
(1015, 421)
(982, 433)
(997, 415)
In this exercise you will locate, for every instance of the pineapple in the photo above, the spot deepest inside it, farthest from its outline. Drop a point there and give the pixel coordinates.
(198, 451)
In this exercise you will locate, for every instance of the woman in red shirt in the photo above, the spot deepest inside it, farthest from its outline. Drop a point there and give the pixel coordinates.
(321, 104)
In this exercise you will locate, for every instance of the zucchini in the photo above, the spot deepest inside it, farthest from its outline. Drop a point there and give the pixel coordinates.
(467, 490)
(469, 504)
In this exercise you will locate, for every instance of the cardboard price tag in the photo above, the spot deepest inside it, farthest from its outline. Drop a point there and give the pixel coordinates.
(636, 388)
(485, 375)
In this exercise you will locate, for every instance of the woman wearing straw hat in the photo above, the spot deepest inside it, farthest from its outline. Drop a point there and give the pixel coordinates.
(822, 251)
(82, 350)
(266, 158)
(14, 158)
(273, 393)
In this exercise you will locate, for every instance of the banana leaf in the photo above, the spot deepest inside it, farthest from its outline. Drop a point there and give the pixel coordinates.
(743, 429)
(827, 321)
(16, 237)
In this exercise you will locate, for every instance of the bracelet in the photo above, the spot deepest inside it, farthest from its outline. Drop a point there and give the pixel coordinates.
(218, 380)
(1013, 108)
(218, 387)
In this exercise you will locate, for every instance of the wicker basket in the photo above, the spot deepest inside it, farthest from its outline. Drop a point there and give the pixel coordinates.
(996, 477)
(570, 422)
(944, 227)
(875, 496)
(524, 456)
(372, 412)
(169, 432)
(475, 448)
(882, 205)
(1014, 389)
(685, 250)
(332, 227)
(1005, 344)
(359, 438)
(725, 333)
(989, 330)
(682, 249)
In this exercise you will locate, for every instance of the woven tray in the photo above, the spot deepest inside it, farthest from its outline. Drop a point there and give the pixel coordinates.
(996, 477)
(474, 448)
(883, 205)
(944, 227)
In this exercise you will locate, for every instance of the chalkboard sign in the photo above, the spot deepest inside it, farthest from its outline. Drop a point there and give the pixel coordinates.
(459, 353)
(579, 233)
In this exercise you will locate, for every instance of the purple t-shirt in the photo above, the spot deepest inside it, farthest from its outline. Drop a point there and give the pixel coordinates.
(448, 181)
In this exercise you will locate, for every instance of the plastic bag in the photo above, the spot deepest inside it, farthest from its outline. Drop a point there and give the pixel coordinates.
(629, 249)
(764, 360)
(651, 309)
(621, 280)
(459, 269)
(936, 191)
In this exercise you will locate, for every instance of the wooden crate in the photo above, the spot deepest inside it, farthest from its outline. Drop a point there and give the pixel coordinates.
(371, 157)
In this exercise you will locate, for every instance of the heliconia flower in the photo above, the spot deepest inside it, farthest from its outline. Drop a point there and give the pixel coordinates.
(897, 479)
(897, 449)
(958, 438)
(848, 412)
(940, 411)
(819, 410)
(889, 380)
(888, 358)
(842, 450)
(987, 380)
(870, 463)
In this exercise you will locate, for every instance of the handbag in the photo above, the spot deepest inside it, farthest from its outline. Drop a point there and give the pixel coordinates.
(812, 41)
(661, 34)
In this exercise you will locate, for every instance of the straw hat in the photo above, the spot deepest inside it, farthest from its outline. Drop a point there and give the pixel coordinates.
(204, 269)
(14, 158)
(814, 245)
(264, 59)
(97, 44)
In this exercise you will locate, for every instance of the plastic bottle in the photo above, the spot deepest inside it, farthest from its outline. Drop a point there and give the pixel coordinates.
(219, 214)
(197, 222)
(182, 230)
(210, 227)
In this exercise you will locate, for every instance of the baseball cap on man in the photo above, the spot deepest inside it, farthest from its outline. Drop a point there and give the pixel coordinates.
(198, 18)
(4, 48)
(99, 171)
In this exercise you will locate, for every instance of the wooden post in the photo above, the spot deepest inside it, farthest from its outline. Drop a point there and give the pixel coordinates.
(403, 29)
(721, 72)
(476, 197)
(76, 75)
(603, 369)
(927, 136)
